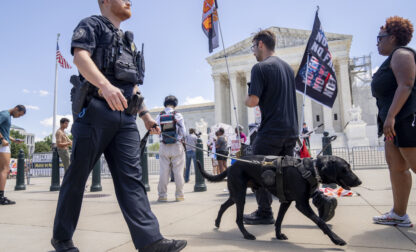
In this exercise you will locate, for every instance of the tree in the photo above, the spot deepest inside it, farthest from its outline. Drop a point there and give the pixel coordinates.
(42, 146)
(45, 145)
(15, 147)
(48, 139)
(154, 147)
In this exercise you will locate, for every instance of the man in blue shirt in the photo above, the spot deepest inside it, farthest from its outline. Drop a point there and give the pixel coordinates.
(5, 138)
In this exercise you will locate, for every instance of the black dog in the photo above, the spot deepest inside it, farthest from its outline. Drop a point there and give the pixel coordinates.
(241, 175)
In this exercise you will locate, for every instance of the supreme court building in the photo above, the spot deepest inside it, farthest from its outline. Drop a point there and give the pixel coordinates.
(290, 47)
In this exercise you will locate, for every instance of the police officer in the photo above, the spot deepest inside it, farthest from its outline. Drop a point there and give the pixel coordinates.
(101, 53)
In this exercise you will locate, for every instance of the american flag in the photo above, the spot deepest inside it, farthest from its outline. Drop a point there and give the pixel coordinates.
(61, 60)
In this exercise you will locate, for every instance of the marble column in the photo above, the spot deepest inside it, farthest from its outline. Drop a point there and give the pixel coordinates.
(308, 114)
(344, 90)
(250, 111)
(219, 106)
(328, 120)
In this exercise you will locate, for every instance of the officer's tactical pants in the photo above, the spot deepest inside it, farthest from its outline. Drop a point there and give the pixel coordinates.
(115, 134)
(172, 157)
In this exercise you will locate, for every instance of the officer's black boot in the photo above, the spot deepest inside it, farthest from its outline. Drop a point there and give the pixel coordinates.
(63, 246)
(165, 245)
(326, 205)
(256, 218)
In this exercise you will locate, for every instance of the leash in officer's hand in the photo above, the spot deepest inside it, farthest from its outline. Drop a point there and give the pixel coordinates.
(144, 140)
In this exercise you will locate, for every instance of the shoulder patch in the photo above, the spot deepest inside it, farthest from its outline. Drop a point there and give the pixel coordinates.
(79, 33)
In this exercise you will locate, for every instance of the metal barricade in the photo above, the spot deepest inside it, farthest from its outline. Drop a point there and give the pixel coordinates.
(368, 157)
(363, 157)
(360, 157)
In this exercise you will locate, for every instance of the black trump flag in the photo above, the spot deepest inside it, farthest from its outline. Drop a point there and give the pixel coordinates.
(321, 84)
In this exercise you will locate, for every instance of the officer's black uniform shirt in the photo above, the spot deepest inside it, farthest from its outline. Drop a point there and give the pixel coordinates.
(94, 34)
(273, 81)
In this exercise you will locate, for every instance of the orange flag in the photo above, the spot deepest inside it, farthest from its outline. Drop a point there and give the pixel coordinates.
(210, 23)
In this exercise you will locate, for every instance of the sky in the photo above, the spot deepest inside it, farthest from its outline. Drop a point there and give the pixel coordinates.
(175, 46)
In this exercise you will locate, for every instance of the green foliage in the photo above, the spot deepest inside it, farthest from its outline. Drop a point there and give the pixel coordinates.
(15, 147)
(45, 145)
(42, 146)
(154, 147)
(48, 139)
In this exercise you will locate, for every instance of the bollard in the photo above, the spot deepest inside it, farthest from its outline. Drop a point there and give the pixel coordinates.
(327, 150)
(20, 178)
(326, 144)
(96, 177)
(199, 180)
(55, 180)
(145, 170)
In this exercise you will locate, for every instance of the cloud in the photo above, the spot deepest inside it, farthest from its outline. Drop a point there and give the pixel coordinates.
(43, 92)
(32, 107)
(37, 92)
(195, 100)
(47, 122)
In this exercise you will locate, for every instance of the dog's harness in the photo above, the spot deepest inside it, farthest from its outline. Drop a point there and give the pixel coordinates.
(281, 163)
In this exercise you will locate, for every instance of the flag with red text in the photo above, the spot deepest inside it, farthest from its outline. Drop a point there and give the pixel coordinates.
(320, 79)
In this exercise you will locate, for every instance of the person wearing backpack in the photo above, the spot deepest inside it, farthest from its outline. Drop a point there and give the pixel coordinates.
(172, 150)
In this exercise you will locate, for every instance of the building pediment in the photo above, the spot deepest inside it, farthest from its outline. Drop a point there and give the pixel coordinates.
(286, 38)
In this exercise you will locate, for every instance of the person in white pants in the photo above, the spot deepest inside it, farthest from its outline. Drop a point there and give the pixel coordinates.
(171, 151)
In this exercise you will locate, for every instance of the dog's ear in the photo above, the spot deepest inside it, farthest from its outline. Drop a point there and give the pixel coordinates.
(327, 169)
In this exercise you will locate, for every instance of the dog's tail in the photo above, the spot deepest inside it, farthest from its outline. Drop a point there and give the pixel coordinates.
(210, 177)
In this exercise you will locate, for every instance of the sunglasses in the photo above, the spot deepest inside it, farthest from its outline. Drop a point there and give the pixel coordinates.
(380, 37)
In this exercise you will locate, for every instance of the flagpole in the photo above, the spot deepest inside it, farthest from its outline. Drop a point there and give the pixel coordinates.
(55, 97)
(229, 78)
(304, 93)
(306, 82)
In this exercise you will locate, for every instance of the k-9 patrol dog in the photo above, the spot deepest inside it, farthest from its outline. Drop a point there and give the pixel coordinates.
(289, 179)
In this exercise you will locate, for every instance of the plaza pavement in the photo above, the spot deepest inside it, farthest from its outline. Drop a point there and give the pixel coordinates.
(27, 226)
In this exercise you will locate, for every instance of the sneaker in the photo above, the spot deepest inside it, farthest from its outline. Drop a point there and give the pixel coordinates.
(162, 199)
(326, 206)
(256, 219)
(165, 245)
(180, 199)
(391, 218)
(6, 201)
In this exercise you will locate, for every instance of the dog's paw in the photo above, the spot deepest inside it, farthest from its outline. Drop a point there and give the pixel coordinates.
(338, 241)
(217, 223)
(249, 237)
(281, 236)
